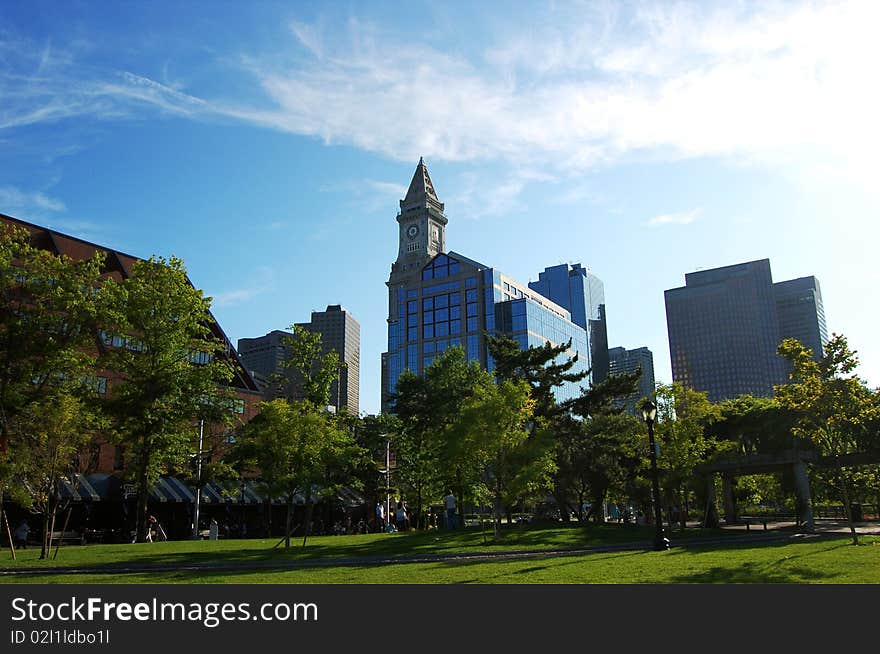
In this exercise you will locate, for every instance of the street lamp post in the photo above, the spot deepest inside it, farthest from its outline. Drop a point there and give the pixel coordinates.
(387, 473)
(649, 414)
(198, 500)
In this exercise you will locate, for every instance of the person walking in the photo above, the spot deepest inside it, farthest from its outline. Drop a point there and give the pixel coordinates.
(450, 510)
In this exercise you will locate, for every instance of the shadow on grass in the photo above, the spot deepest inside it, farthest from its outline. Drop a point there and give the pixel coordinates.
(754, 573)
(368, 546)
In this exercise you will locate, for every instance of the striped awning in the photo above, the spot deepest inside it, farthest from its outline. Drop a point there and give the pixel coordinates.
(78, 489)
(164, 491)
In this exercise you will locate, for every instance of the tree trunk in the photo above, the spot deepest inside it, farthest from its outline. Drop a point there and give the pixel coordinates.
(847, 507)
(307, 522)
(63, 529)
(599, 509)
(49, 527)
(288, 521)
(5, 517)
(143, 495)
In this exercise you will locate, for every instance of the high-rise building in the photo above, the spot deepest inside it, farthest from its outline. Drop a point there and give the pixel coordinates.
(622, 362)
(725, 325)
(263, 356)
(438, 300)
(340, 332)
(801, 314)
(577, 289)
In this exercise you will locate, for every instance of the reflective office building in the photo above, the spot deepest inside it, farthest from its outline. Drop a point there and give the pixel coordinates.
(622, 362)
(577, 289)
(439, 299)
(725, 325)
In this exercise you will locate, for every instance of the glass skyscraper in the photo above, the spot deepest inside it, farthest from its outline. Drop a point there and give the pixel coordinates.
(725, 325)
(801, 313)
(583, 294)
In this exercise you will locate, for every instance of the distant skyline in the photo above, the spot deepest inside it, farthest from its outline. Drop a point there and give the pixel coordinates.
(268, 144)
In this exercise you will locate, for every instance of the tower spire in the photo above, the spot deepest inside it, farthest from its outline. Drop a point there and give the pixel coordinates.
(421, 191)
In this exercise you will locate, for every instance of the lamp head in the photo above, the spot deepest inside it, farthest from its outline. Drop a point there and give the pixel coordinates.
(649, 411)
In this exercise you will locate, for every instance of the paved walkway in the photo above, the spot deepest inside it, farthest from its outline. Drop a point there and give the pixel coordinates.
(823, 526)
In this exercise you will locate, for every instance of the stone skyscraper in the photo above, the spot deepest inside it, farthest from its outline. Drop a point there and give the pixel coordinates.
(339, 331)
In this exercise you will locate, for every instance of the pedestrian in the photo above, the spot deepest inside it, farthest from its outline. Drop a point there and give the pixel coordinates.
(21, 534)
(450, 510)
(151, 524)
(400, 517)
(380, 515)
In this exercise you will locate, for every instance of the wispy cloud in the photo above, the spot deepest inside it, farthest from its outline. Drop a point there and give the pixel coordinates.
(681, 218)
(235, 297)
(782, 84)
(263, 282)
(761, 82)
(20, 203)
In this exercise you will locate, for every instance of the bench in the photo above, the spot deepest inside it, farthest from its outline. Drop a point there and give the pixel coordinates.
(750, 520)
(69, 536)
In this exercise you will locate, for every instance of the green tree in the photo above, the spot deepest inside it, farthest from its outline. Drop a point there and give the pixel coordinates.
(754, 425)
(312, 369)
(48, 313)
(544, 368)
(428, 455)
(373, 433)
(296, 448)
(514, 461)
(51, 434)
(683, 416)
(836, 412)
(599, 456)
(169, 364)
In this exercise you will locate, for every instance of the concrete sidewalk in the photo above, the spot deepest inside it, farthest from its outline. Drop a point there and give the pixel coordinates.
(822, 526)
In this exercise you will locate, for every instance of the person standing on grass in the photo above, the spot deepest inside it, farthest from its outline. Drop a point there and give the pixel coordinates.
(380, 515)
(21, 534)
(400, 517)
(450, 511)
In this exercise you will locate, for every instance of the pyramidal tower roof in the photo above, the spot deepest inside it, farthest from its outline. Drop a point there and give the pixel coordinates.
(421, 191)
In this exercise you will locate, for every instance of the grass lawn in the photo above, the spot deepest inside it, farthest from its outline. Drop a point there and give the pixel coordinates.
(521, 537)
(813, 561)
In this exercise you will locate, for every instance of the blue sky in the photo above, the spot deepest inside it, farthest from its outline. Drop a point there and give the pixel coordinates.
(267, 144)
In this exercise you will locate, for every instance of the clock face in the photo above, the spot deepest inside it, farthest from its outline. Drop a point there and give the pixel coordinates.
(412, 231)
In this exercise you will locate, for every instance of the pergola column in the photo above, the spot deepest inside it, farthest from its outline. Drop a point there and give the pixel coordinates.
(711, 521)
(729, 503)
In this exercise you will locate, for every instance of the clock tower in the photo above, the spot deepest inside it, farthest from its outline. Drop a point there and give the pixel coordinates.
(422, 226)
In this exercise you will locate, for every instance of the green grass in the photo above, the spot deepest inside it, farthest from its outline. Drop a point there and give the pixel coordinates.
(827, 560)
(525, 537)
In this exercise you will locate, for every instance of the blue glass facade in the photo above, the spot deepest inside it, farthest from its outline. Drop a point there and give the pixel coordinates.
(583, 294)
(532, 325)
(429, 316)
